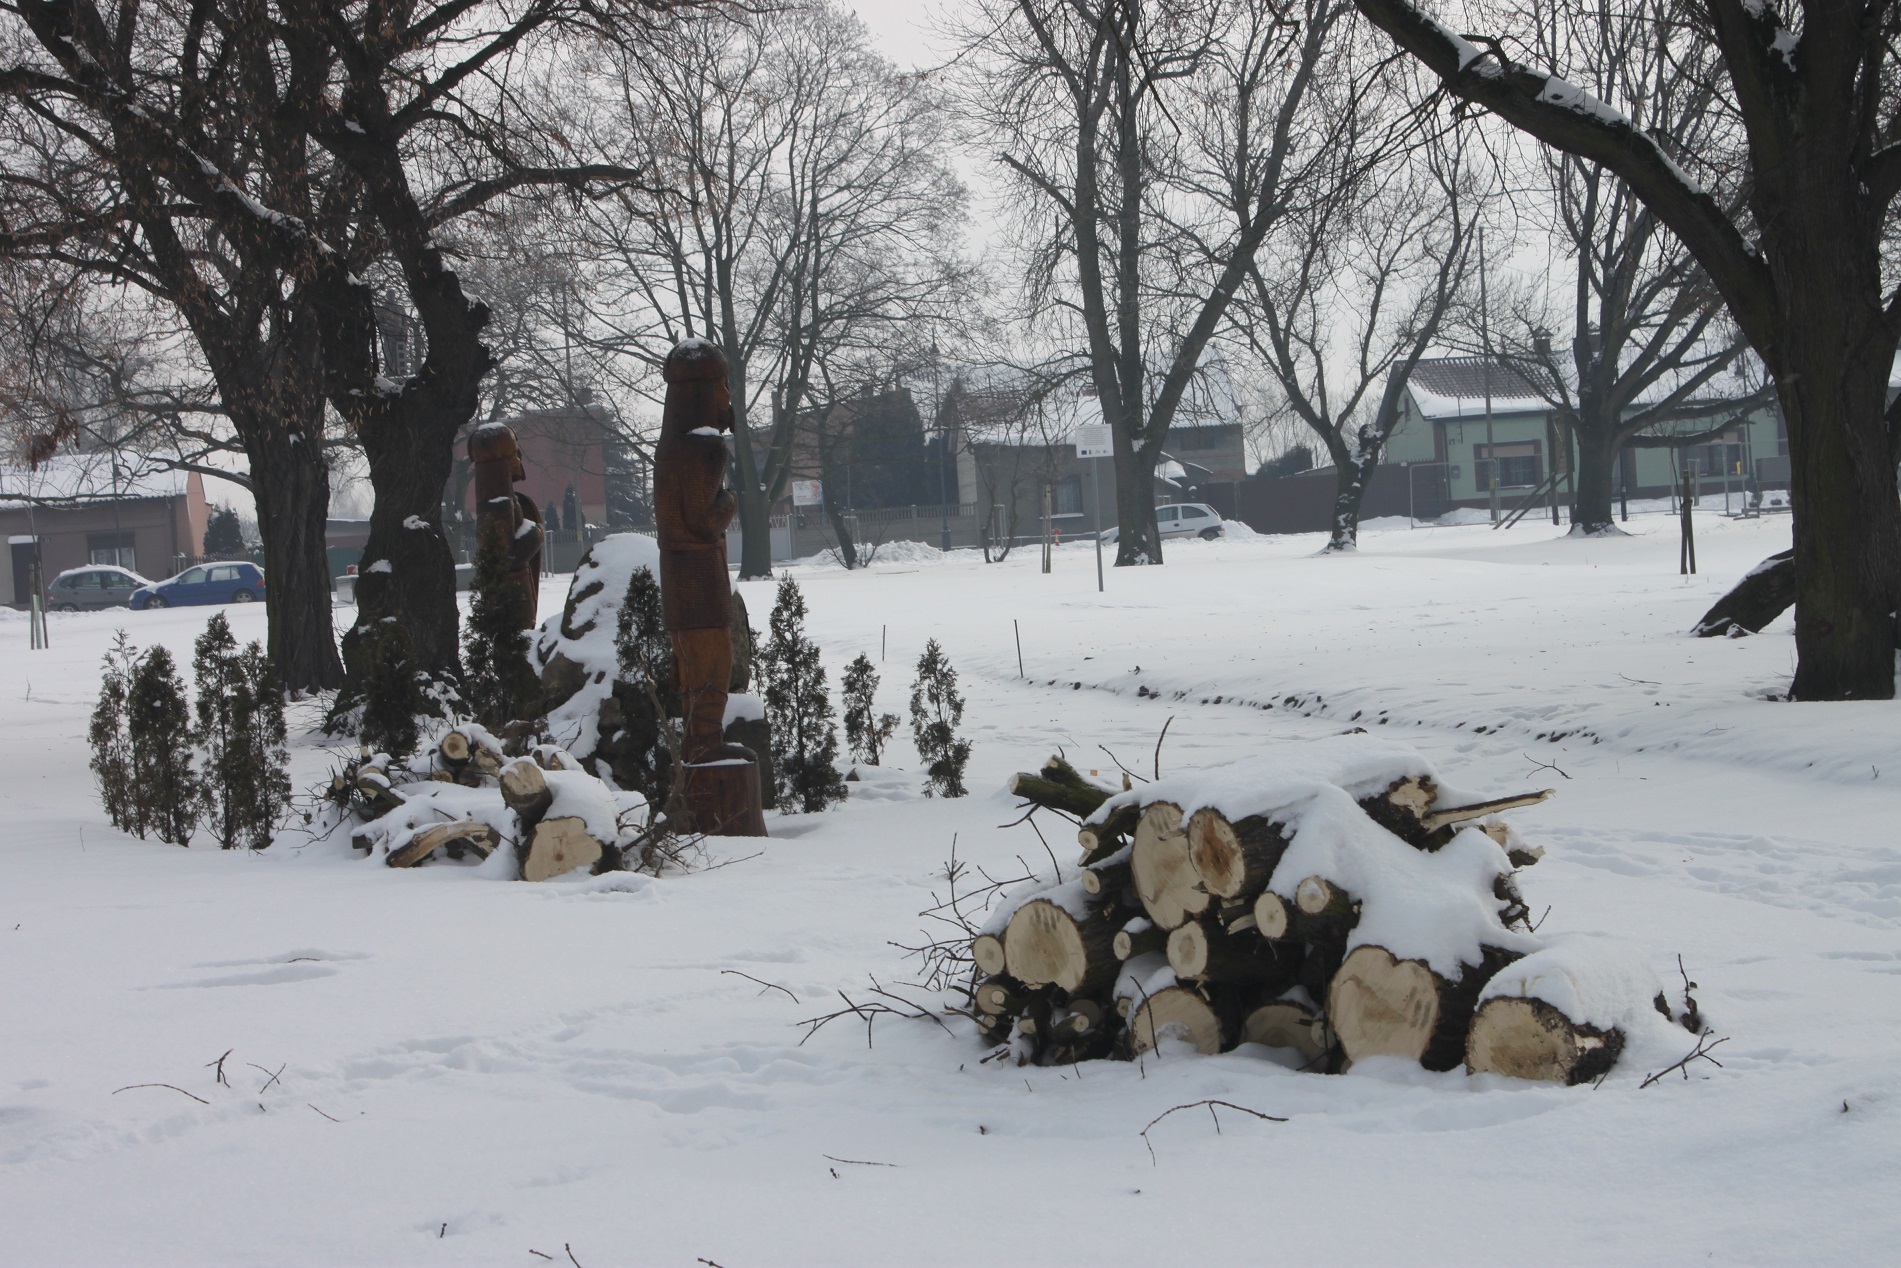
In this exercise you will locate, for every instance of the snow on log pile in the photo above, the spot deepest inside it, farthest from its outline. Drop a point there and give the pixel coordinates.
(523, 810)
(1335, 899)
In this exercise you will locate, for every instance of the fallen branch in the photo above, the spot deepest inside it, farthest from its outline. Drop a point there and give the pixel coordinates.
(181, 1091)
(853, 1162)
(770, 986)
(1702, 1050)
(1211, 1104)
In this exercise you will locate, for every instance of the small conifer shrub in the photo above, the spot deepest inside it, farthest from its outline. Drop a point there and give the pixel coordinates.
(804, 734)
(866, 730)
(641, 758)
(936, 713)
(158, 723)
(391, 695)
(240, 737)
(111, 743)
(499, 684)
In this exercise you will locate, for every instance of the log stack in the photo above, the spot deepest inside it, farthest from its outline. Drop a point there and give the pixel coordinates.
(468, 796)
(1187, 925)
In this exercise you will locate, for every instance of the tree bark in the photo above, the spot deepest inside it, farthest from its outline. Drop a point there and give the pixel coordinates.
(1349, 495)
(1764, 593)
(1592, 510)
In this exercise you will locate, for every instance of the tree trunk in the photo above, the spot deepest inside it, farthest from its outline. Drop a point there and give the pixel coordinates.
(1832, 380)
(291, 484)
(1349, 495)
(1138, 540)
(755, 531)
(408, 572)
(1592, 512)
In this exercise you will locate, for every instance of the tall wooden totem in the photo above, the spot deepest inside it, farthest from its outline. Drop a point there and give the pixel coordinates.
(692, 508)
(496, 456)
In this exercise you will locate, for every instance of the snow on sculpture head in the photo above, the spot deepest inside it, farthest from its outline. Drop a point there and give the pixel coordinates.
(695, 372)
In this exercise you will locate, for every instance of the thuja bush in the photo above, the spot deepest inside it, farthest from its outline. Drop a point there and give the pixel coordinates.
(240, 737)
(936, 713)
(644, 675)
(111, 742)
(499, 684)
(158, 726)
(804, 733)
(391, 694)
(866, 730)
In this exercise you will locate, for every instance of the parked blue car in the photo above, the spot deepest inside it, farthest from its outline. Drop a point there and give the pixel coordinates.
(207, 583)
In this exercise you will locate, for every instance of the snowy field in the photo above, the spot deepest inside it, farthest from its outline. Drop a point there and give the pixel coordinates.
(467, 1072)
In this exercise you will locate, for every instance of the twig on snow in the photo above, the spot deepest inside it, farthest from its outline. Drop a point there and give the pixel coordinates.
(274, 1077)
(1702, 1050)
(1119, 766)
(770, 986)
(1211, 1104)
(181, 1091)
(1158, 744)
(334, 1120)
(853, 1162)
(1538, 765)
(218, 1065)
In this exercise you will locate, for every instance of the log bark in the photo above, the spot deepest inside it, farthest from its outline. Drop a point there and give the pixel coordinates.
(1233, 859)
(1179, 1012)
(526, 792)
(1283, 1023)
(1139, 937)
(1403, 806)
(1165, 878)
(1532, 1039)
(1108, 880)
(1200, 952)
(1380, 1004)
(373, 788)
(1045, 945)
(1078, 798)
(1100, 840)
(1765, 593)
(478, 837)
(558, 846)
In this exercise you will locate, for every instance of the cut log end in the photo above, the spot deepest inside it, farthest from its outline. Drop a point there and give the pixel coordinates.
(1045, 945)
(1165, 878)
(1284, 1024)
(1379, 1005)
(987, 950)
(559, 846)
(1531, 1039)
(1179, 1013)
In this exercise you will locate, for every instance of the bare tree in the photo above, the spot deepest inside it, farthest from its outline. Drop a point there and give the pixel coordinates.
(159, 147)
(1804, 265)
(1151, 150)
(1354, 291)
(812, 225)
(1645, 337)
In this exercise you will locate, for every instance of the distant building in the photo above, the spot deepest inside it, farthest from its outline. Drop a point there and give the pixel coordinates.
(1442, 422)
(76, 509)
(580, 472)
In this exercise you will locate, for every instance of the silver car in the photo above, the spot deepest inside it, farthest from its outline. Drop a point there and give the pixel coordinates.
(88, 589)
(1181, 519)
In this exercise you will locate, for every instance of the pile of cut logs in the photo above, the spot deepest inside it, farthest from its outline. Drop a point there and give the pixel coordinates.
(390, 798)
(1173, 929)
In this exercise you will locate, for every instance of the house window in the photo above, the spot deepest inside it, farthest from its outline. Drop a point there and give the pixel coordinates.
(1518, 465)
(110, 548)
(1066, 496)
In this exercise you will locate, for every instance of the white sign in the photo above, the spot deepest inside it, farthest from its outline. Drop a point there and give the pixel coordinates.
(1095, 440)
(808, 493)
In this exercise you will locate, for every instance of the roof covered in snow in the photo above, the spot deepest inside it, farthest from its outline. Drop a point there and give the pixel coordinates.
(1455, 387)
(94, 476)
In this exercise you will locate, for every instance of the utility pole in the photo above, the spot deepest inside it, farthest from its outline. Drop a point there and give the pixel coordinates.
(943, 453)
(1485, 341)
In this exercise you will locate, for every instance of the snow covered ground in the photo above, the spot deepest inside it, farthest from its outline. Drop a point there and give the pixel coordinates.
(468, 1072)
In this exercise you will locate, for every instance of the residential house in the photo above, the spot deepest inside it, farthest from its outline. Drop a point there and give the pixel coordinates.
(97, 507)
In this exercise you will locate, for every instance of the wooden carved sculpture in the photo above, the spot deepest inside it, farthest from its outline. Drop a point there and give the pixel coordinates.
(496, 457)
(692, 507)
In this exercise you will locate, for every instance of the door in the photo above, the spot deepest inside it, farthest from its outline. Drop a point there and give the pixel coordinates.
(223, 582)
(24, 554)
(188, 587)
(1168, 520)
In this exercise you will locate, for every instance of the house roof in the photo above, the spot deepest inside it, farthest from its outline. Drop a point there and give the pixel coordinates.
(70, 479)
(1454, 387)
